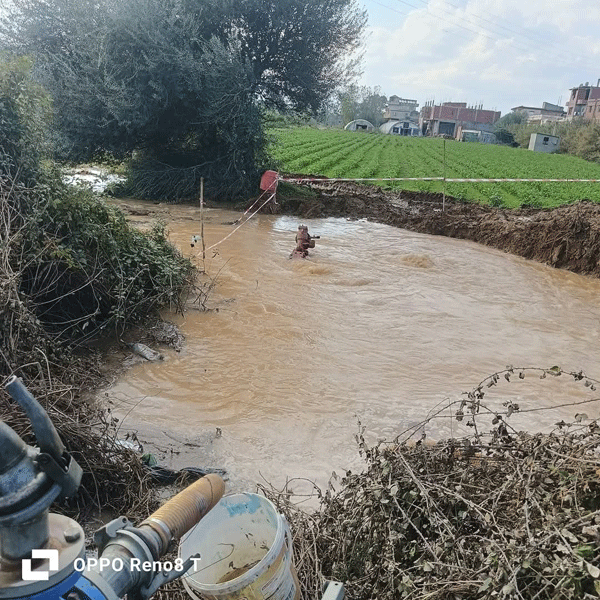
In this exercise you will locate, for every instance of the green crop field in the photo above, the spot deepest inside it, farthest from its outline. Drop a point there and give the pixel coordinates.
(338, 153)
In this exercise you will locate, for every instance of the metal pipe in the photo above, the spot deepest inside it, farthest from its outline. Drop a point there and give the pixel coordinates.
(19, 539)
(25, 496)
(12, 449)
(152, 538)
(120, 575)
(45, 432)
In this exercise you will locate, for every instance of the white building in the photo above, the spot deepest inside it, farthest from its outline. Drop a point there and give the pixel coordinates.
(542, 142)
(546, 113)
(401, 109)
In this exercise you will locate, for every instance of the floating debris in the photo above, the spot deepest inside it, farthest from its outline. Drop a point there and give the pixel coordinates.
(164, 332)
(146, 352)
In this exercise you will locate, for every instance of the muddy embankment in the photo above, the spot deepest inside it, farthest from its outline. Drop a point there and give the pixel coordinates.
(567, 237)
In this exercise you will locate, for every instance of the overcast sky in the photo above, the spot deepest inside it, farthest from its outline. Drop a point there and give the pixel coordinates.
(501, 53)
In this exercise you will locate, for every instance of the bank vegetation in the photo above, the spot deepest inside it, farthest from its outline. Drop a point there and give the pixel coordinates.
(495, 514)
(71, 269)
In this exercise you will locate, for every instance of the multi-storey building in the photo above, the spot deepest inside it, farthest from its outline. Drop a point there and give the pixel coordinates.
(547, 113)
(402, 117)
(401, 109)
(450, 117)
(584, 102)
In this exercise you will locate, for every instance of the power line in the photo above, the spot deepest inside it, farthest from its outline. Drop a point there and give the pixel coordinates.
(407, 13)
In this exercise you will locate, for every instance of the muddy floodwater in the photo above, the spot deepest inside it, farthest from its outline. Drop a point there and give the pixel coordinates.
(379, 325)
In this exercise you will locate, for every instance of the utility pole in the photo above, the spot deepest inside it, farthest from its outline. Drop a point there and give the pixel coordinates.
(202, 221)
(444, 175)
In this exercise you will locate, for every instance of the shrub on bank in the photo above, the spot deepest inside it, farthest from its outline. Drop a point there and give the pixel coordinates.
(496, 515)
(84, 268)
(70, 267)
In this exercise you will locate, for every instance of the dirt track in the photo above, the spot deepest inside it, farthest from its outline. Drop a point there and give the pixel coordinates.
(567, 237)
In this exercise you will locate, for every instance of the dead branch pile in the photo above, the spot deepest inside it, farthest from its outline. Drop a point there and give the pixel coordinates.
(501, 515)
(114, 477)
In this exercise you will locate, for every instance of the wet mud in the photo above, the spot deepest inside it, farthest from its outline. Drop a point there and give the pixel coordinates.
(566, 237)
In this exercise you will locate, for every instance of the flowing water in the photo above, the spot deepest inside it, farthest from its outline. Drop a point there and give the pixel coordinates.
(379, 325)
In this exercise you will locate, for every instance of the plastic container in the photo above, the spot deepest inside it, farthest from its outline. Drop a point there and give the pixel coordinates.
(269, 180)
(246, 553)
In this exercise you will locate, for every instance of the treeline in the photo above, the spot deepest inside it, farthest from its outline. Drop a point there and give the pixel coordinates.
(180, 86)
(577, 137)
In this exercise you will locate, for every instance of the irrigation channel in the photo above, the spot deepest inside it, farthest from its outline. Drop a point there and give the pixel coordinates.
(380, 325)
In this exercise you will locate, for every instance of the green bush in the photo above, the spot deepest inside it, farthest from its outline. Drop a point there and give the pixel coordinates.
(84, 268)
(81, 267)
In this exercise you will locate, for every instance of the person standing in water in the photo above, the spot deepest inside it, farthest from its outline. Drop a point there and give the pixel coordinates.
(304, 241)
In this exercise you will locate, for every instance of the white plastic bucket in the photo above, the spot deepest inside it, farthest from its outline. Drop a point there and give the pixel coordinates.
(245, 547)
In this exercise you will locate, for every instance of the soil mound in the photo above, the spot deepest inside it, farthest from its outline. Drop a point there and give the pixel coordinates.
(566, 237)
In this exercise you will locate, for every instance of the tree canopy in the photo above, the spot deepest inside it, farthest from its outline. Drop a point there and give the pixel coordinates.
(182, 82)
(24, 119)
(356, 102)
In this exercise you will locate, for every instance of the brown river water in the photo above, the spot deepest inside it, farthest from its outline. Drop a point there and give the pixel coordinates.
(379, 325)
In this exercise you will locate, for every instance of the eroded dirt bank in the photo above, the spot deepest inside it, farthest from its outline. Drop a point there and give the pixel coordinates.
(567, 237)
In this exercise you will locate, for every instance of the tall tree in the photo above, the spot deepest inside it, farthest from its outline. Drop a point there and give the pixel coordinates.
(25, 113)
(298, 49)
(183, 81)
(372, 105)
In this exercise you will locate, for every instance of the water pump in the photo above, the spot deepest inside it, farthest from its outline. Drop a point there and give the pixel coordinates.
(42, 555)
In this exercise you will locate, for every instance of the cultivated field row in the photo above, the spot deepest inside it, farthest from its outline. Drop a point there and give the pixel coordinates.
(337, 153)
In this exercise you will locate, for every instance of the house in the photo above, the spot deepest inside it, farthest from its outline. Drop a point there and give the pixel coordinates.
(541, 142)
(401, 109)
(402, 117)
(584, 102)
(592, 110)
(547, 113)
(450, 117)
(359, 125)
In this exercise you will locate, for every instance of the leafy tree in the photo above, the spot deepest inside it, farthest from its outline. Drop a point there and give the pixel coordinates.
(571, 134)
(507, 127)
(577, 136)
(25, 113)
(356, 102)
(588, 142)
(298, 49)
(372, 106)
(183, 81)
(348, 100)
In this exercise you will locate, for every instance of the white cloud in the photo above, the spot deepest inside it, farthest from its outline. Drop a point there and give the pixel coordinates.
(499, 52)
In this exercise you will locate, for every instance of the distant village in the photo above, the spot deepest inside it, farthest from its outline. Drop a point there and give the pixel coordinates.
(466, 123)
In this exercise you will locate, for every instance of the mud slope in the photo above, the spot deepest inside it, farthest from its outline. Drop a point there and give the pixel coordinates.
(567, 237)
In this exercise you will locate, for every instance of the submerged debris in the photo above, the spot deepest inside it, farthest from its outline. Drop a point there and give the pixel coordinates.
(146, 352)
(164, 332)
